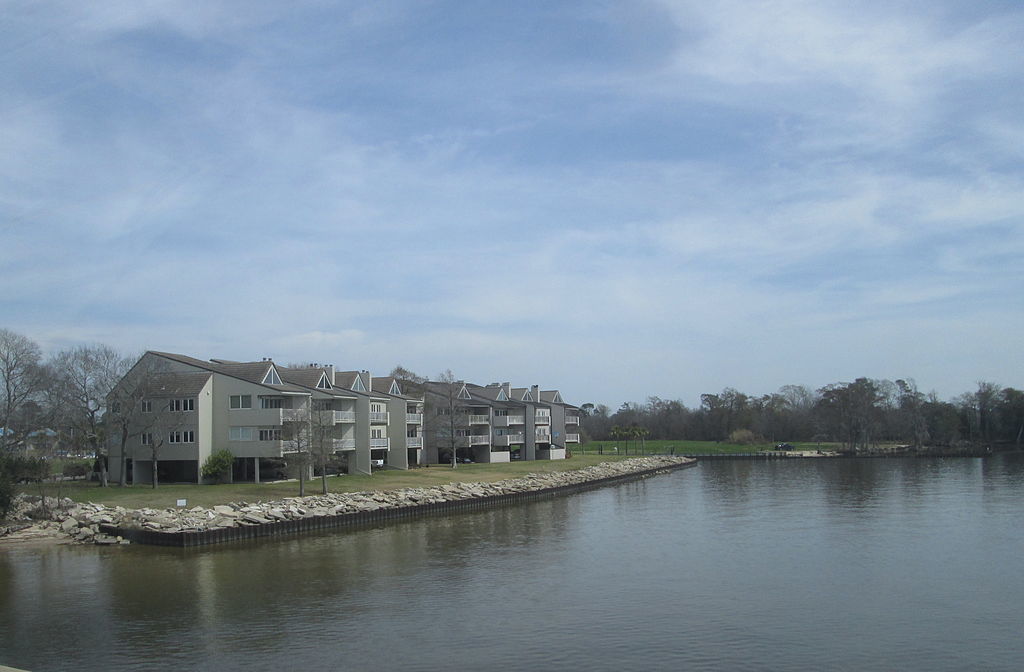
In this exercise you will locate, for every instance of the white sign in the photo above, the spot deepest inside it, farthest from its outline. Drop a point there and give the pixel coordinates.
(182, 502)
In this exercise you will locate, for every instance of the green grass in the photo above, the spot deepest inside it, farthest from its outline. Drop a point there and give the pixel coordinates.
(684, 447)
(141, 496)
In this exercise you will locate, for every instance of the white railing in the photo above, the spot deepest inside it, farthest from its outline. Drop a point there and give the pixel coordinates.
(572, 419)
(344, 444)
(380, 443)
(414, 442)
(517, 419)
(544, 436)
(480, 440)
(344, 416)
(292, 414)
(542, 419)
(377, 416)
(413, 418)
(508, 439)
(479, 419)
(572, 438)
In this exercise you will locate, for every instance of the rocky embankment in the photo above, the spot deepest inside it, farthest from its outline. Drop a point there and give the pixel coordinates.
(81, 523)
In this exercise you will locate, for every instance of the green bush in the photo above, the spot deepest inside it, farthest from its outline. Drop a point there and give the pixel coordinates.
(218, 466)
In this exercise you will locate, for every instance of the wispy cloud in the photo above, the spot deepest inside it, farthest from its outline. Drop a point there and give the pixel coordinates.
(621, 200)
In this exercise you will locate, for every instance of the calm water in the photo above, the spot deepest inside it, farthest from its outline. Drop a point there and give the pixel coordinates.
(802, 565)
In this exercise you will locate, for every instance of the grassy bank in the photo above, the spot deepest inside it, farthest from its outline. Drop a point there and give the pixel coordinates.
(683, 447)
(142, 496)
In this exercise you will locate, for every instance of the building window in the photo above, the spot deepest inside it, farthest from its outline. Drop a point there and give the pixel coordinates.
(498, 413)
(271, 402)
(181, 405)
(376, 408)
(187, 436)
(272, 378)
(240, 434)
(147, 406)
(376, 433)
(241, 401)
(270, 435)
(146, 439)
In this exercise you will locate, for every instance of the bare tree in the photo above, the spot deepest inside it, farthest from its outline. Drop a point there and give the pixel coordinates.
(20, 374)
(321, 442)
(449, 420)
(85, 376)
(135, 409)
(298, 437)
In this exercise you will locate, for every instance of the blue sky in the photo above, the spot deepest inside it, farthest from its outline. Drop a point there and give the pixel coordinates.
(618, 199)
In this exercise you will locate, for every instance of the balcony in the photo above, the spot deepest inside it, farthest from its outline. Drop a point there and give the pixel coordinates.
(293, 415)
(414, 418)
(508, 439)
(414, 442)
(517, 419)
(572, 438)
(344, 444)
(480, 440)
(572, 419)
(479, 419)
(378, 443)
(542, 419)
(379, 418)
(344, 416)
(543, 437)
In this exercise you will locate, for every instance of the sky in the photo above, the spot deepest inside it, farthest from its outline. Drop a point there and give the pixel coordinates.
(616, 199)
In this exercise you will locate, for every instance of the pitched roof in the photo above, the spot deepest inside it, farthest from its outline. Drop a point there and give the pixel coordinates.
(253, 372)
(174, 384)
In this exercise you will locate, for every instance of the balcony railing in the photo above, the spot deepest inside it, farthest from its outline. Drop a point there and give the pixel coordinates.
(572, 438)
(378, 417)
(508, 439)
(542, 419)
(572, 419)
(480, 440)
(344, 444)
(479, 419)
(292, 415)
(377, 443)
(344, 416)
(414, 442)
(517, 419)
(414, 418)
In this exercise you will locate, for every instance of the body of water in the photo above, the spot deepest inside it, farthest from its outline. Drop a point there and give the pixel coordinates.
(873, 564)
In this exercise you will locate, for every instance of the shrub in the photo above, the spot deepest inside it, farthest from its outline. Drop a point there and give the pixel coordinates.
(743, 437)
(218, 466)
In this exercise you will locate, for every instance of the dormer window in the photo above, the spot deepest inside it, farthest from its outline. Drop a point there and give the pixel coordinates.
(502, 396)
(358, 385)
(323, 383)
(527, 396)
(394, 389)
(464, 393)
(272, 378)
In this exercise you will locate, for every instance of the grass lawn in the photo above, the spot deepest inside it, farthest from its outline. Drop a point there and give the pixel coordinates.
(684, 447)
(140, 496)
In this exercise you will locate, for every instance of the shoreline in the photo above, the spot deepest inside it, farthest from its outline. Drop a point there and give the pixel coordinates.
(71, 522)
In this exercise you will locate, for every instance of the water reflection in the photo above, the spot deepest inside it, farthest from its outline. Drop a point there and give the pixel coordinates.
(868, 564)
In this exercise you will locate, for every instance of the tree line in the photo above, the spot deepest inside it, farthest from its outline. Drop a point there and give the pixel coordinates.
(857, 415)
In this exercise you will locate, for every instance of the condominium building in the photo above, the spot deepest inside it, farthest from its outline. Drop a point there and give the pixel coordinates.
(179, 410)
(497, 423)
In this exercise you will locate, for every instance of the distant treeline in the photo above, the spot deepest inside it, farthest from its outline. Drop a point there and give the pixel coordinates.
(857, 415)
